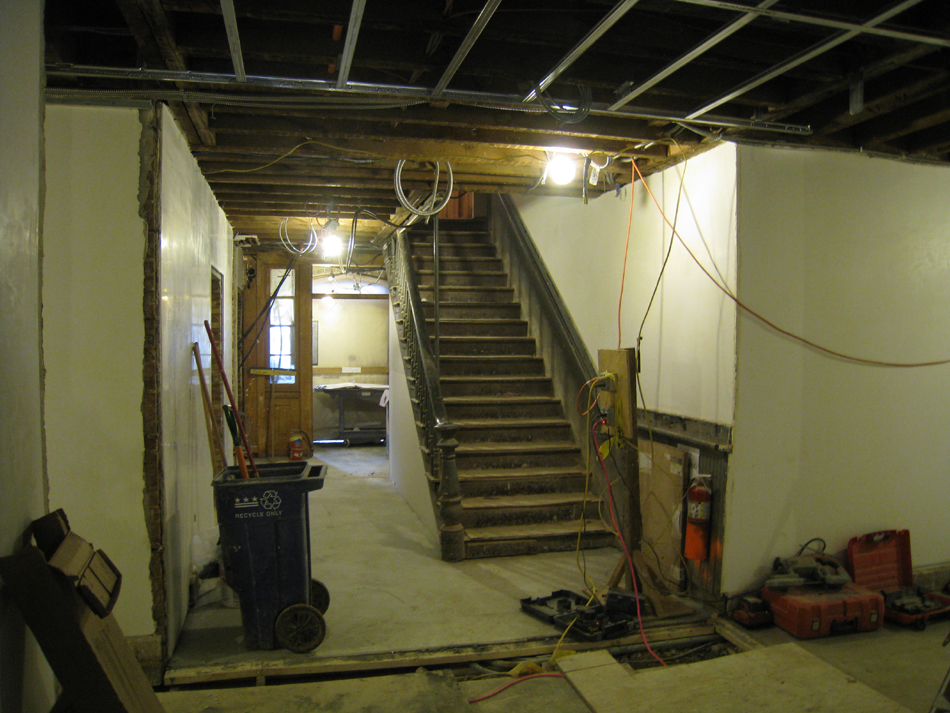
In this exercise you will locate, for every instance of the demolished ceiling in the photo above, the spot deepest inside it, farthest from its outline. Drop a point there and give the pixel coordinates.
(298, 112)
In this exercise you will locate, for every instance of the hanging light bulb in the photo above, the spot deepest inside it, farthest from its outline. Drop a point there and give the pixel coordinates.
(331, 245)
(561, 169)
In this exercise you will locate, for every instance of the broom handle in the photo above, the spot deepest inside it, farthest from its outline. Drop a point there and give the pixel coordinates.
(227, 387)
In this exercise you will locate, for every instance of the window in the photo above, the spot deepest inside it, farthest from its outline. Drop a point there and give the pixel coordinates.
(283, 340)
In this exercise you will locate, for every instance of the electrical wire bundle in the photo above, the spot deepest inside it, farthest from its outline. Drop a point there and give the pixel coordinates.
(560, 112)
(428, 207)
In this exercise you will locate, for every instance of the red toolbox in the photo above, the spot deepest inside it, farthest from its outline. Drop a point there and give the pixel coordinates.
(809, 612)
(881, 561)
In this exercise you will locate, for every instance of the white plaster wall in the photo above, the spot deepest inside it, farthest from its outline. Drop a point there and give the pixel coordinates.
(688, 348)
(93, 331)
(352, 333)
(195, 237)
(406, 468)
(853, 253)
(26, 683)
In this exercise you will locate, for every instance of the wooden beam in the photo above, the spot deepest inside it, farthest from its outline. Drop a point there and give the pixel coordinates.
(830, 89)
(153, 33)
(919, 116)
(882, 99)
(465, 118)
(257, 669)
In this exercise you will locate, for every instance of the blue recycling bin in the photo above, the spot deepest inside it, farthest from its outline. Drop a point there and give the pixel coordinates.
(265, 543)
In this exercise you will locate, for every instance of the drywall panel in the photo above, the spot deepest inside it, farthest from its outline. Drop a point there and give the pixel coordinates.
(688, 347)
(852, 253)
(195, 238)
(26, 683)
(93, 331)
(406, 468)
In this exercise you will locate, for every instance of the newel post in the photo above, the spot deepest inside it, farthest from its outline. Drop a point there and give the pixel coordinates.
(451, 531)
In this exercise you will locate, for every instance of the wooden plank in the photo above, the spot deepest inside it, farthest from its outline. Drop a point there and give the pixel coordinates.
(735, 634)
(338, 370)
(219, 460)
(89, 655)
(418, 691)
(413, 659)
(594, 675)
(776, 679)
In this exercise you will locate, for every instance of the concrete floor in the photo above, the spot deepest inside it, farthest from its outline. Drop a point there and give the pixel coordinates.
(389, 589)
(391, 594)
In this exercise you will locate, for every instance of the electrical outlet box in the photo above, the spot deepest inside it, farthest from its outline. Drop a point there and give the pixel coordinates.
(620, 401)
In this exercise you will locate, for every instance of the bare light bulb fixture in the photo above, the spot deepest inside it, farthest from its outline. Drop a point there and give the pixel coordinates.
(561, 169)
(331, 245)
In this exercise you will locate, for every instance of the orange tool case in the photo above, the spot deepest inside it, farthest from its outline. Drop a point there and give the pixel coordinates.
(808, 612)
(881, 561)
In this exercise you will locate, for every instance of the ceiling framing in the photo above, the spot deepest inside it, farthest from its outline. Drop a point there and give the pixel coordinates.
(301, 110)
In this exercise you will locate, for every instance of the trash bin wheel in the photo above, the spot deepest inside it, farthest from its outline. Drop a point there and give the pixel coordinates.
(300, 628)
(319, 596)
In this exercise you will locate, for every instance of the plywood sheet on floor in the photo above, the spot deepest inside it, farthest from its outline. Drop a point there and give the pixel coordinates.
(420, 692)
(897, 661)
(779, 679)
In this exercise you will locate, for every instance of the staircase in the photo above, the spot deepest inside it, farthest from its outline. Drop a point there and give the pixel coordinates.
(520, 471)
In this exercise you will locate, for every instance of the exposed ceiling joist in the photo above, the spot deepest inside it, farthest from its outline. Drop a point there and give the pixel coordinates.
(310, 108)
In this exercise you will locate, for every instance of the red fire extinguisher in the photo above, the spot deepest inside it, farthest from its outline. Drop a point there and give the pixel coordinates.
(698, 517)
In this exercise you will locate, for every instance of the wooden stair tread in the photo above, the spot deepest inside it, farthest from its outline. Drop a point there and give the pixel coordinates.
(477, 320)
(525, 422)
(480, 338)
(538, 530)
(527, 500)
(554, 471)
(488, 447)
(454, 273)
(467, 288)
(472, 303)
(454, 244)
(490, 379)
(501, 398)
(488, 357)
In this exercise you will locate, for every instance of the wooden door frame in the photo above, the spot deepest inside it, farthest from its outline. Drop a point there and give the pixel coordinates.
(255, 389)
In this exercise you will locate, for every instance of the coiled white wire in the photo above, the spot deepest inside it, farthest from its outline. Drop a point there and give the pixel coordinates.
(426, 209)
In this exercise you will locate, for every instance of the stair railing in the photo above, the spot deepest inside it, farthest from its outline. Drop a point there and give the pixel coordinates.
(436, 432)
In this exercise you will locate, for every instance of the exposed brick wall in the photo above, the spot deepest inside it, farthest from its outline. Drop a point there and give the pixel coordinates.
(150, 210)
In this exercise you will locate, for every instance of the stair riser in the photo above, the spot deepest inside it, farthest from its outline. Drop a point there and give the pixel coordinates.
(466, 235)
(510, 548)
(488, 328)
(525, 387)
(462, 294)
(453, 250)
(458, 264)
(469, 279)
(491, 367)
(544, 459)
(461, 412)
(462, 310)
(484, 517)
(521, 486)
(536, 434)
(476, 347)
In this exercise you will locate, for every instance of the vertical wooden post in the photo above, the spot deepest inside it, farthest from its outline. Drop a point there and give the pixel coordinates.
(451, 531)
